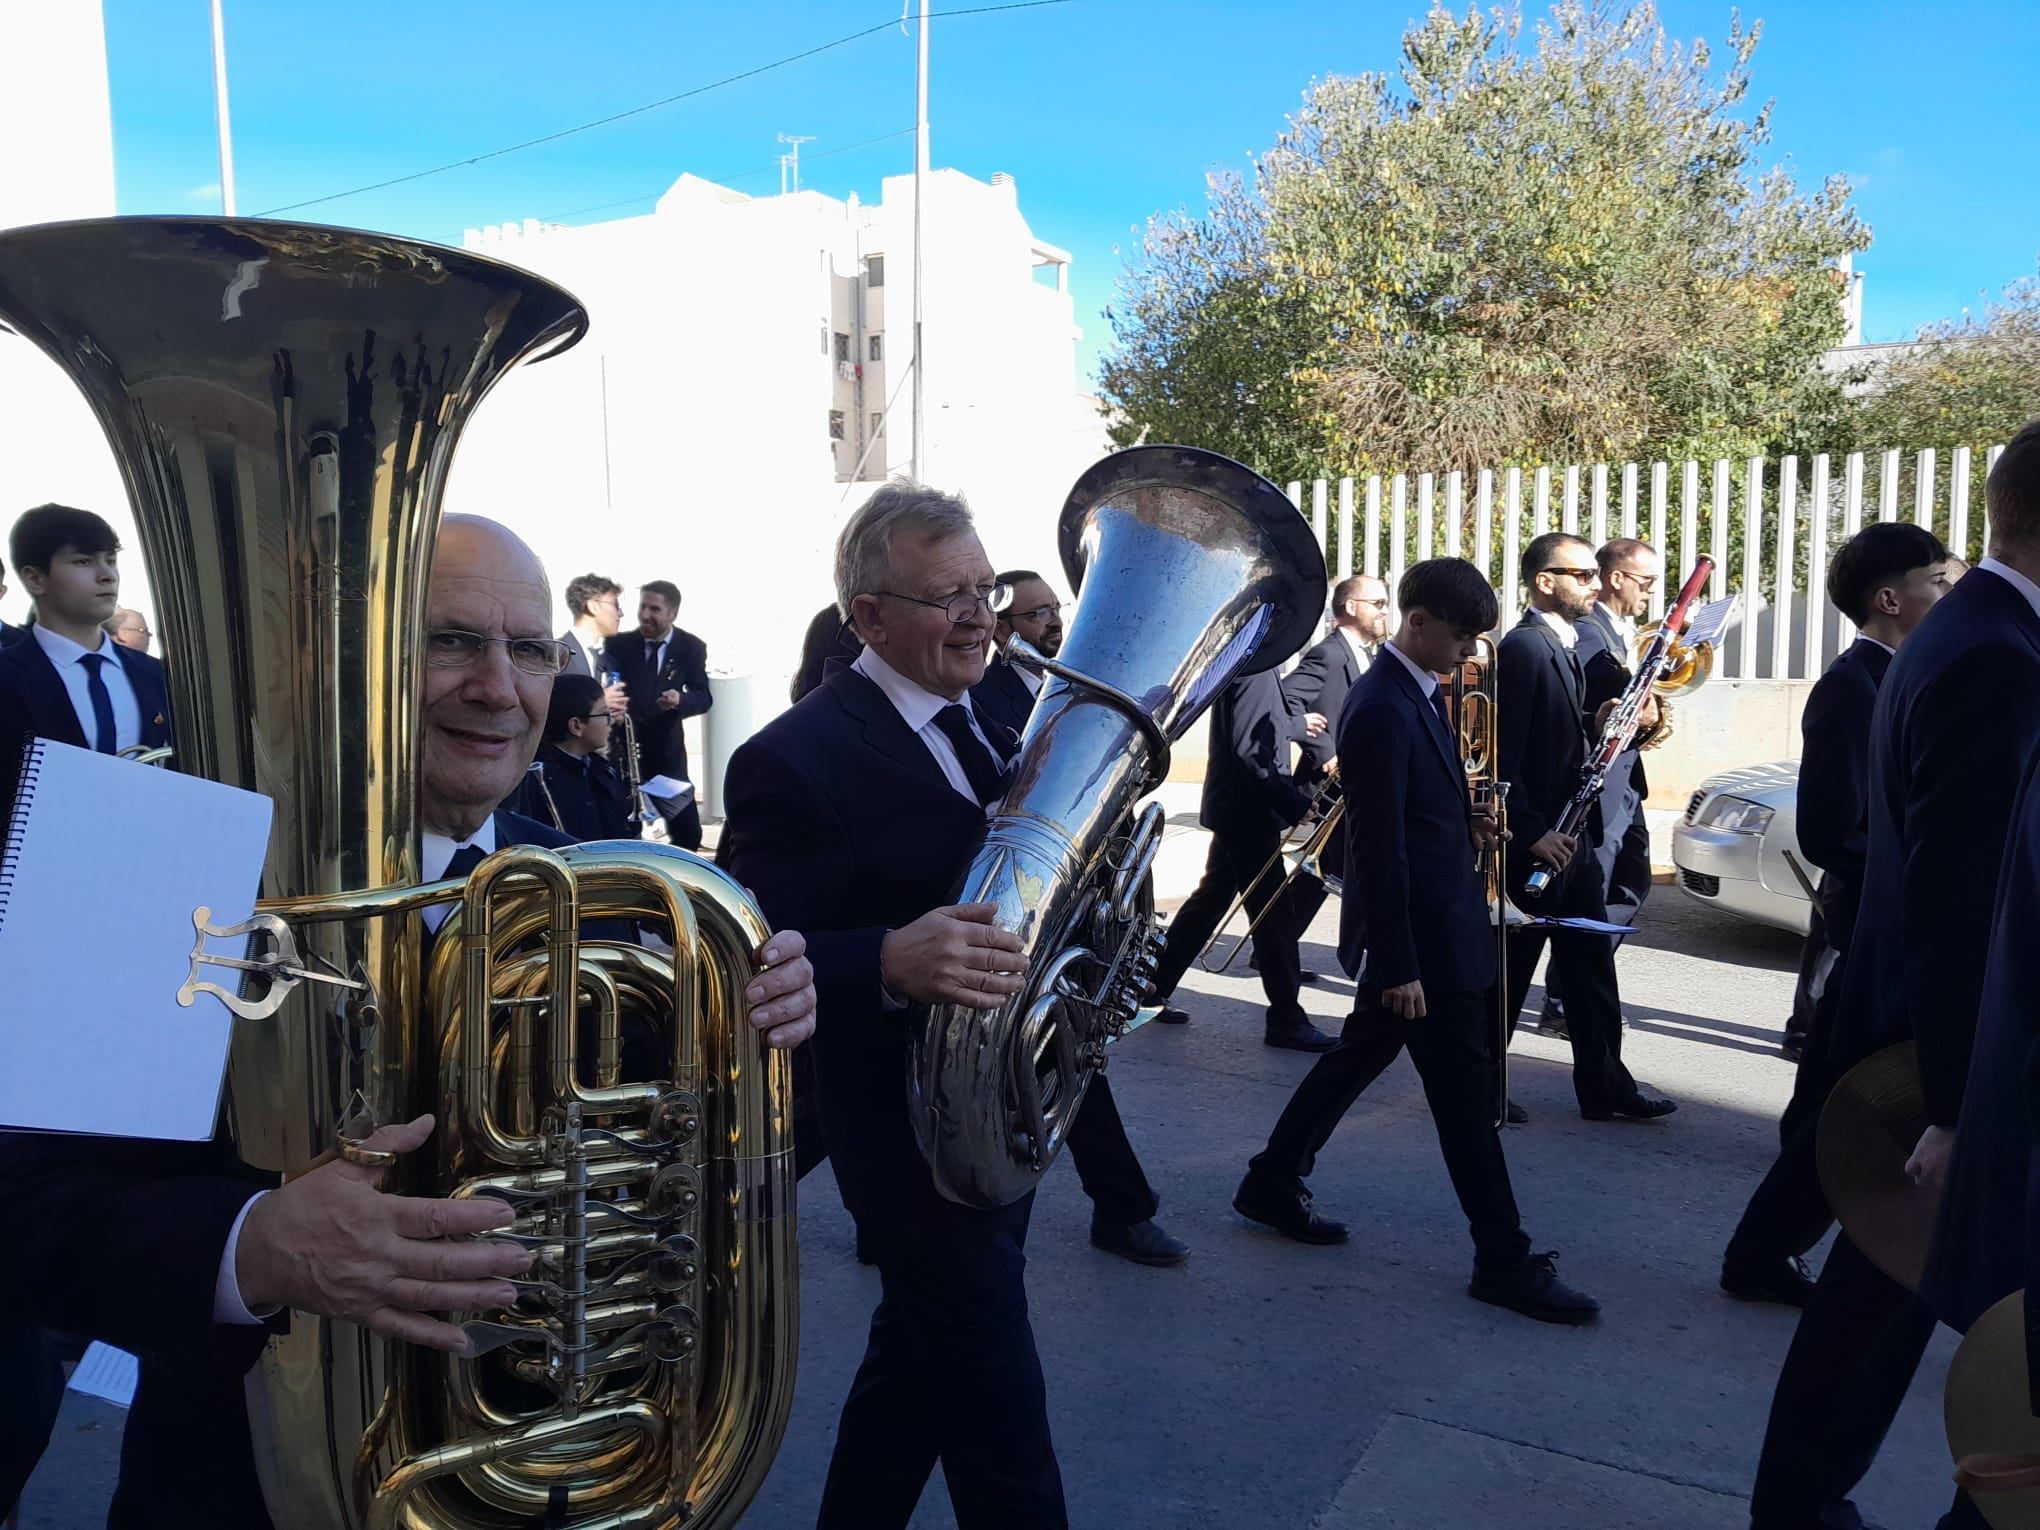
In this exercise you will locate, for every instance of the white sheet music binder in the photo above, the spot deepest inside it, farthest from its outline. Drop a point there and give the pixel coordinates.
(103, 867)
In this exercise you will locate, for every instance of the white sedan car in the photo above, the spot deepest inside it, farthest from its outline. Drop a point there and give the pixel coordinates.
(1731, 847)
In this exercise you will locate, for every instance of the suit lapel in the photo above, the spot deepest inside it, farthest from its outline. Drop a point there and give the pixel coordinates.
(1427, 719)
(147, 683)
(884, 729)
(49, 707)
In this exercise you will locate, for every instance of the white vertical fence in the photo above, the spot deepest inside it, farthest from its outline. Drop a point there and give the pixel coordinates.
(1772, 527)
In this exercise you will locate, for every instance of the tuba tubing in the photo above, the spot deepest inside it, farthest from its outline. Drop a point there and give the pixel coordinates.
(1189, 570)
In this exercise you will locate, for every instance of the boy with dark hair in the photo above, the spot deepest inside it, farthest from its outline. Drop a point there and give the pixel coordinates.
(1415, 935)
(571, 784)
(67, 680)
(1884, 579)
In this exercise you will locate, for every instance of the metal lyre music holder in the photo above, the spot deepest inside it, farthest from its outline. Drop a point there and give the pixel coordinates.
(281, 964)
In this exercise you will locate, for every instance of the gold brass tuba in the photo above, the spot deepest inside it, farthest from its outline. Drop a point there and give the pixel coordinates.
(1476, 721)
(1190, 569)
(283, 402)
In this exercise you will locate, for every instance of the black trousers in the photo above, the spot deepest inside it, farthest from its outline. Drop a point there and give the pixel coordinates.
(31, 1391)
(1585, 967)
(1858, 1343)
(1237, 852)
(1106, 1163)
(1788, 1212)
(1453, 1049)
(951, 1374)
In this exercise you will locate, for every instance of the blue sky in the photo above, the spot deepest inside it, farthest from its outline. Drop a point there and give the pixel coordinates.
(1105, 111)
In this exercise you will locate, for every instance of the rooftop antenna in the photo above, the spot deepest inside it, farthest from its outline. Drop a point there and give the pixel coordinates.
(920, 457)
(791, 160)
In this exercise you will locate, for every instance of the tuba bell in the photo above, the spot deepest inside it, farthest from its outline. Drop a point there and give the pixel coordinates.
(283, 402)
(1190, 570)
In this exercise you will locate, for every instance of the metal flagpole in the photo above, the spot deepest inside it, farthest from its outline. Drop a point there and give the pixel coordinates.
(219, 58)
(920, 194)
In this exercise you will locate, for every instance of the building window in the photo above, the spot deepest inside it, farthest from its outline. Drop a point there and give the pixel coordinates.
(842, 347)
(835, 424)
(878, 347)
(878, 424)
(874, 271)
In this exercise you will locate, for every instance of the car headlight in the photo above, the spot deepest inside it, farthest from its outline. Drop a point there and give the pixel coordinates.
(1736, 815)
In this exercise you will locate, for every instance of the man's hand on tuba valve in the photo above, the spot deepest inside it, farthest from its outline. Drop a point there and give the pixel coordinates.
(329, 1242)
(782, 997)
(953, 955)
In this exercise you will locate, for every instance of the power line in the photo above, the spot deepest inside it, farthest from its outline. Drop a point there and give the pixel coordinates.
(650, 106)
(733, 175)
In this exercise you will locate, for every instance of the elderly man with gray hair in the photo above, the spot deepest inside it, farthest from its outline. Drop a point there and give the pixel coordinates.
(850, 816)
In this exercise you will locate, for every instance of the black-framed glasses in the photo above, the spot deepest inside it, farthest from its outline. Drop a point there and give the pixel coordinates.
(1644, 582)
(601, 716)
(964, 607)
(1379, 602)
(1583, 575)
(450, 648)
(1038, 614)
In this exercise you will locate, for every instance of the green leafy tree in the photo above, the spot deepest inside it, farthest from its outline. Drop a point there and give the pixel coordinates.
(1966, 382)
(1558, 249)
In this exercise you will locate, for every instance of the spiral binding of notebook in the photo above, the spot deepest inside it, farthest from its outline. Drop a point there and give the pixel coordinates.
(17, 828)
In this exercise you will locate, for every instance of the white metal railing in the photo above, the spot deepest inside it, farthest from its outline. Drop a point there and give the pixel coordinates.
(1770, 525)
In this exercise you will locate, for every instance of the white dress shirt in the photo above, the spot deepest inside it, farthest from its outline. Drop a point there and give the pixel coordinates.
(1032, 679)
(1426, 681)
(435, 853)
(68, 658)
(598, 666)
(1558, 624)
(2016, 580)
(917, 707)
(1878, 643)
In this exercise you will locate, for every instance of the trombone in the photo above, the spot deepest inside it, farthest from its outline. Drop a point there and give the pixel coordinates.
(1304, 858)
(1475, 719)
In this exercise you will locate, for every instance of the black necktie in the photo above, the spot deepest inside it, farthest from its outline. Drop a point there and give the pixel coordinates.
(465, 860)
(1445, 719)
(987, 780)
(652, 646)
(102, 704)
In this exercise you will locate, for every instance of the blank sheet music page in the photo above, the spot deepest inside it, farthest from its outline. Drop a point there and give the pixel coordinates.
(108, 861)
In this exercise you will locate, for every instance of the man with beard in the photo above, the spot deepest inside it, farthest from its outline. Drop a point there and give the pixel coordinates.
(1546, 731)
(665, 673)
(1006, 694)
(1316, 688)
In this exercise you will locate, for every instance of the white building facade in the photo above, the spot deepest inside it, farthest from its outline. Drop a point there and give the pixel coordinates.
(746, 383)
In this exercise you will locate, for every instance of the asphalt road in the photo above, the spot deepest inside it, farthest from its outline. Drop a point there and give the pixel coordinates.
(1269, 1384)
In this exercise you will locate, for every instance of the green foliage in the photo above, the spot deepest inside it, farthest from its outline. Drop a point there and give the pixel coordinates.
(1559, 252)
(1976, 379)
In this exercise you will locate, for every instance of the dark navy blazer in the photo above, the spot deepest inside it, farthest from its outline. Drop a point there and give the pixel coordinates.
(34, 704)
(1834, 781)
(1414, 905)
(1319, 684)
(1957, 721)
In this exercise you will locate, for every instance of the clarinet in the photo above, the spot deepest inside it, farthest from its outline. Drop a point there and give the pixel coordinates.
(1625, 720)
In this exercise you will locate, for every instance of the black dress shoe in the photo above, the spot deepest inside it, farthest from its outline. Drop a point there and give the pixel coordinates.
(1285, 1206)
(864, 1254)
(1301, 1037)
(1552, 1023)
(1534, 1289)
(1783, 1280)
(1143, 1242)
(1515, 1114)
(1168, 1014)
(1638, 1107)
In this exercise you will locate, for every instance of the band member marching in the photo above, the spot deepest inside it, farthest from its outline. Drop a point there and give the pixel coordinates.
(1546, 732)
(1415, 935)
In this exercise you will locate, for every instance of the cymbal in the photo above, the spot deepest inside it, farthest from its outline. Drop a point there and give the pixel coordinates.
(1989, 1413)
(1868, 1129)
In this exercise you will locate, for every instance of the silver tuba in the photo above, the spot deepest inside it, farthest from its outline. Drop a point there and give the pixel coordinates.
(1191, 570)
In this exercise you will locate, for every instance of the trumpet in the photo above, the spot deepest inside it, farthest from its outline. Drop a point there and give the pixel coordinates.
(650, 825)
(1304, 858)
